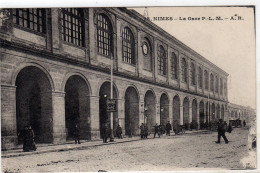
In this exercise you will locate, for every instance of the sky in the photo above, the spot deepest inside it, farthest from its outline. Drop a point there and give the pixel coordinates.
(229, 44)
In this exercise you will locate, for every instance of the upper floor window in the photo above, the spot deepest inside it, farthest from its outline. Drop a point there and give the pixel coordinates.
(174, 66)
(104, 35)
(184, 70)
(72, 22)
(192, 74)
(128, 46)
(206, 79)
(162, 61)
(32, 18)
(221, 86)
(200, 77)
(216, 87)
(211, 82)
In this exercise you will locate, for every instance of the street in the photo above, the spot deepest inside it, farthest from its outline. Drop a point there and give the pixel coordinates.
(159, 154)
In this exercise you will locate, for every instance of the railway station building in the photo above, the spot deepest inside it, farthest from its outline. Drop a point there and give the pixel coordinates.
(55, 73)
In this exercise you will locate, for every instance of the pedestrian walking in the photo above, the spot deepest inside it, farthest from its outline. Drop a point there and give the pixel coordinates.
(156, 130)
(119, 132)
(76, 134)
(221, 131)
(145, 131)
(168, 128)
(244, 123)
(104, 132)
(28, 139)
(142, 134)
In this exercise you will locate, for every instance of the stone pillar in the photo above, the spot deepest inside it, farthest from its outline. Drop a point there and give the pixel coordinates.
(55, 30)
(188, 73)
(190, 111)
(155, 60)
(181, 112)
(141, 109)
(198, 115)
(8, 117)
(205, 111)
(170, 112)
(94, 117)
(121, 113)
(58, 105)
(158, 113)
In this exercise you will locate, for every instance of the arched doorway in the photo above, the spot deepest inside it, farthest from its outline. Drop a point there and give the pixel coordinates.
(222, 112)
(202, 114)
(194, 110)
(207, 112)
(131, 111)
(186, 110)
(164, 109)
(104, 116)
(176, 109)
(34, 103)
(150, 110)
(77, 107)
(218, 112)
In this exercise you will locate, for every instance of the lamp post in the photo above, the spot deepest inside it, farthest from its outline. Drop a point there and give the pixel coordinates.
(111, 97)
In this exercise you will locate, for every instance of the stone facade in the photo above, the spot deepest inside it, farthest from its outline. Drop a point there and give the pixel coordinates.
(241, 112)
(51, 83)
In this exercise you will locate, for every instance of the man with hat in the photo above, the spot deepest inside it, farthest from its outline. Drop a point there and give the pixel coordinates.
(221, 131)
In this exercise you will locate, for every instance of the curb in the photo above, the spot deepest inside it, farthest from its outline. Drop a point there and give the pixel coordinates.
(8, 155)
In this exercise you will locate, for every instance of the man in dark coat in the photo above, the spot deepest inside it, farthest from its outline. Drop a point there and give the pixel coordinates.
(145, 131)
(168, 128)
(119, 132)
(28, 139)
(244, 123)
(76, 134)
(156, 130)
(104, 132)
(142, 131)
(221, 131)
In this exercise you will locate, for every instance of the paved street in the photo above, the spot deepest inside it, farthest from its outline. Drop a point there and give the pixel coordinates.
(165, 153)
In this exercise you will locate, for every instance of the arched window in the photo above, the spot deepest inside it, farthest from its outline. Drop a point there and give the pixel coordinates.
(72, 23)
(206, 79)
(192, 74)
(104, 35)
(162, 61)
(211, 82)
(32, 18)
(200, 77)
(174, 66)
(216, 87)
(221, 86)
(184, 70)
(128, 46)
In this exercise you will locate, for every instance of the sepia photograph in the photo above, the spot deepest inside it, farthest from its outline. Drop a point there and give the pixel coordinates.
(128, 89)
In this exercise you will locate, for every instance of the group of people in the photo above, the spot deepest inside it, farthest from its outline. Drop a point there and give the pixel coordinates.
(27, 134)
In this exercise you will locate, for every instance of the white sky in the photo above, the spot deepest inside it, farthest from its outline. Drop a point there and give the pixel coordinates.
(228, 44)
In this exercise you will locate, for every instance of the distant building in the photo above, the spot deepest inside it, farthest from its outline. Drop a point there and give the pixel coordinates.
(55, 73)
(241, 112)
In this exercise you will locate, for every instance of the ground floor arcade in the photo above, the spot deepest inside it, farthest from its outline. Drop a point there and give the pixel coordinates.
(54, 98)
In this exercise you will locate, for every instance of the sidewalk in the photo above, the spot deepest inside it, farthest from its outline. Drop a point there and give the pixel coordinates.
(46, 148)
